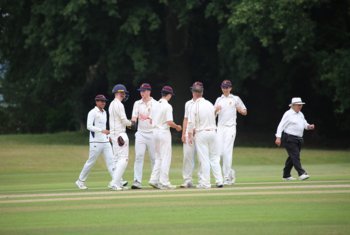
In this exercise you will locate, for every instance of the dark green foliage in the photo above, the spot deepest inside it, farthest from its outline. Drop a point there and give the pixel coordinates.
(60, 54)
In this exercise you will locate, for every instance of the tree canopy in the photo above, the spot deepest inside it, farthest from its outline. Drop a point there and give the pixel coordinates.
(56, 56)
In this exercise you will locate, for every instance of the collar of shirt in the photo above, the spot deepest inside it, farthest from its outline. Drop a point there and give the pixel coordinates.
(229, 96)
(97, 109)
(148, 102)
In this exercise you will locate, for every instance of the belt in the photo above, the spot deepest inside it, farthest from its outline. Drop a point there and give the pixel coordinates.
(294, 136)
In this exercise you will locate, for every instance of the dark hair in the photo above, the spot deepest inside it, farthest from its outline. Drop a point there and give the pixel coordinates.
(165, 93)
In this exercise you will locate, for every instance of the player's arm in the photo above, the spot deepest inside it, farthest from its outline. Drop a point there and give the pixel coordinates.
(184, 127)
(90, 123)
(241, 107)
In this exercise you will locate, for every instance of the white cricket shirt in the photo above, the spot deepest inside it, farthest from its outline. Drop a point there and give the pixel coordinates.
(117, 118)
(228, 113)
(292, 123)
(188, 106)
(162, 115)
(201, 116)
(96, 123)
(144, 109)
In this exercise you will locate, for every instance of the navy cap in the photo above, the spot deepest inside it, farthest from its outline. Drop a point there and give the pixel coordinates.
(145, 87)
(100, 98)
(226, 84)
(168, 90)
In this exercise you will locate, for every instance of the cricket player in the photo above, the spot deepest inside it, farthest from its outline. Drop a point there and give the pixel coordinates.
(290, 134)
(141, 113)
(118, 123)
(163, 120)
(226, 107)
(189, 150)
(99, 140)
(202, 129)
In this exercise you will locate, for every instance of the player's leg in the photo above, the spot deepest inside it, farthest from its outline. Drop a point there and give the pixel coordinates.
(188, 164)
(227, 156)
(293, 149)
(94, 152)
(154, 179)
(149, 141)
(123, 158)
(140, 149)
(214, 158)
(108, 156)
(166, 160)
(203, 157)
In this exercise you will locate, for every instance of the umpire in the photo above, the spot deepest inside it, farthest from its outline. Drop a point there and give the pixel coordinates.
(290, 133)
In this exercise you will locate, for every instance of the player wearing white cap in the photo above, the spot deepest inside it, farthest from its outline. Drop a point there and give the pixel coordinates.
(202, 129)
(162, 121)
(290, 134)
(227, 106)
(99, 140)
(118, 123)
(144, 136)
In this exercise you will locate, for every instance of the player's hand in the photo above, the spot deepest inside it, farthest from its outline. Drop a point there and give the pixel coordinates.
(105, 132)
(183, 139)
(278, 141)
(178, 128)
(217, 109)
(311, 127)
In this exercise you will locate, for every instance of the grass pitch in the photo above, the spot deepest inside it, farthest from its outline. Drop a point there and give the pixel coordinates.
(38, 195)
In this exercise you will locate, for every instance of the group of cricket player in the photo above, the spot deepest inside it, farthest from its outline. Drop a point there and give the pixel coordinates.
(208, 135)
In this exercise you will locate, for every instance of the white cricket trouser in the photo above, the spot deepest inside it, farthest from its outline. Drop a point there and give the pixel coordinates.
(160, 172)
(143, 140)
(121, 158)
(226, 137)
(95, 151)
(206, 147)
(189, 152)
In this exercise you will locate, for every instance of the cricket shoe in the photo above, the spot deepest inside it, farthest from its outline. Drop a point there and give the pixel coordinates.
(304, 176)
(165, 187)
(81, 185)
(290, 178)
(154, 185)
(202, 186)
(136, 185)
(228, 182)
(124, 183)
(187, 185)
(219, 185)
(118, 188)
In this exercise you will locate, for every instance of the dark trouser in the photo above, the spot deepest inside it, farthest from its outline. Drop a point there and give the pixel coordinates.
(293, 146)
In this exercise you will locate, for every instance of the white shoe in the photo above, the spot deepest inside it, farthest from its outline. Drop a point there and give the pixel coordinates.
(136, 185)
(201, 186)
(289, 178)
(81, 185)
(304, 176)
(228, 182)
(187, 185)
(118, 188)
(169, 186)
(154, 185)
(124, 183)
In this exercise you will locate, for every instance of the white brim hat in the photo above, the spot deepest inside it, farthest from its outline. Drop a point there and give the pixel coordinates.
(296, 100)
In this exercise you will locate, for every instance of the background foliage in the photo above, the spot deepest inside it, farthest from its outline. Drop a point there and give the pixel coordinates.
(56, 56)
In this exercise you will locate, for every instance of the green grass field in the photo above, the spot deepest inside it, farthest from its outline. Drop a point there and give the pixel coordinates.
(38, 194)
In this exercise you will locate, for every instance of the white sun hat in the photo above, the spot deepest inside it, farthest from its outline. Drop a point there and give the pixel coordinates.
(296, 100)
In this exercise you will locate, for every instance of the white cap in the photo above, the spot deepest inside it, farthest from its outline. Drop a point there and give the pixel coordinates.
(296, 100)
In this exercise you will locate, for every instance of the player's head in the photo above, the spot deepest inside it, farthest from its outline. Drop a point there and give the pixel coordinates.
(167, 92)
(226, 87)
(145, 90)
(100, 101)
(119, 90)
(197, 89)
